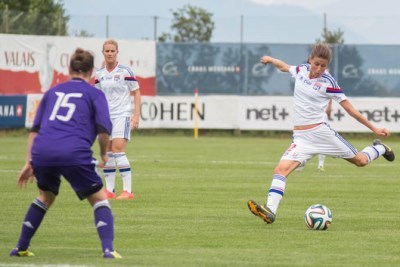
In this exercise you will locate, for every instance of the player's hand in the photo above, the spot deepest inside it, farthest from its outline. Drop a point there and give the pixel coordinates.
(265, 59)
(104, 159)
(135, 122)
(382, 132)
(25, 175)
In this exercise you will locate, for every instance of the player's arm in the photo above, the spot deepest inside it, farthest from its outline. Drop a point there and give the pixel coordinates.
(26, 173)
(136, 112)
(103, 139)
(359, 117)
(279, 64)
(103, 125)
(329, 109)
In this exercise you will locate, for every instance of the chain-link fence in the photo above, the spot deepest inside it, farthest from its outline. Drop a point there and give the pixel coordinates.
(242, 28)
(249, 29)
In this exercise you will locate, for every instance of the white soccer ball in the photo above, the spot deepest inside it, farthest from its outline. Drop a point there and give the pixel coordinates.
(318, 217)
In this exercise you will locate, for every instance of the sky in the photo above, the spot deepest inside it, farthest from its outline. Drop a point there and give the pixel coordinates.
(250, 21)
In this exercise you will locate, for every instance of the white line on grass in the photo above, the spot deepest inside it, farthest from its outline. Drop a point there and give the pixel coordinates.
(41, 265)
(238, 162)
(9, 171)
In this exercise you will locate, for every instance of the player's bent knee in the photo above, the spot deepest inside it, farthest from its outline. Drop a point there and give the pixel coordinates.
(361, 162)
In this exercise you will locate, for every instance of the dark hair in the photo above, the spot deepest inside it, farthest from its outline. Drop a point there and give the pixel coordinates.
(321, 50)
(82, 61)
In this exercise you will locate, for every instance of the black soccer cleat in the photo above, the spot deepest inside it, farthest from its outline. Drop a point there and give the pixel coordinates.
(261, 211)
(389, 154)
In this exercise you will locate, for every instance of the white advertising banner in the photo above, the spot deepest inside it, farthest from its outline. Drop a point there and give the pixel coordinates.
(32, 64)
(247, 113)
(214, 112)
(32, 105)
(258, 113)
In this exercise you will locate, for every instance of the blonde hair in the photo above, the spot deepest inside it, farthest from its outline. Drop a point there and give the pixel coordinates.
(111, 41)
(321, 50)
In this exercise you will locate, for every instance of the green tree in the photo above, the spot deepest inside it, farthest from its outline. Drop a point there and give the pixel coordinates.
(37, 17)
(190, 25)
(332, 37)
(83, 33)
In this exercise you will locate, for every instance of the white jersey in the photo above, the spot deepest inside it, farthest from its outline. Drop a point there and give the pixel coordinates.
(311, 96)
(117, 86)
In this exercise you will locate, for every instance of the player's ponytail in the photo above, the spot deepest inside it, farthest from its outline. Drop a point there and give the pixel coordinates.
(82, 61)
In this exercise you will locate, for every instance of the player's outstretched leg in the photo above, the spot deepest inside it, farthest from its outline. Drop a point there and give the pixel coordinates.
(33, 218)
(261, 211)
(389, 154)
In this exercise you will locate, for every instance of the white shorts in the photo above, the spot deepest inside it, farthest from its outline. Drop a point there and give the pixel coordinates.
(121, 128)
(318, 140)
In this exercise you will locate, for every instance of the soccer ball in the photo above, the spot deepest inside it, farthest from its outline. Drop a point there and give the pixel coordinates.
(318, 217)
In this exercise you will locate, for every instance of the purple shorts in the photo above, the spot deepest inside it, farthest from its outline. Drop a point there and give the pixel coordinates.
(83, 178)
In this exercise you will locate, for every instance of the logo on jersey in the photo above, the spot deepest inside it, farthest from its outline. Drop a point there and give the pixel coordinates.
(317, 86)
(117, 77)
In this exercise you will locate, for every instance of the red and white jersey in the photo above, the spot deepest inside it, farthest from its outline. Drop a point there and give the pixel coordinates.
(117, 86)
(311, 96)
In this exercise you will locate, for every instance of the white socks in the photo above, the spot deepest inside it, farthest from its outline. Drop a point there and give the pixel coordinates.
(109, 172)
(276, 191)
(124, 170)
(374, 152)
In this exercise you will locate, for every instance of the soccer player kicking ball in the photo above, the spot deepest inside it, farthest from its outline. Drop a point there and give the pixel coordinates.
(313, 89)
(70, 117)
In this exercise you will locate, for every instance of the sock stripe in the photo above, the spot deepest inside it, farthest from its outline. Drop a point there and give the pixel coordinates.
(103, 203)
(280, 177)
(377, 152)
(272, 190)
(39, 204)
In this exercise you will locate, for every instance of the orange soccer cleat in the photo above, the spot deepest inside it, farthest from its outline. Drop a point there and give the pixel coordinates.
(125, 195)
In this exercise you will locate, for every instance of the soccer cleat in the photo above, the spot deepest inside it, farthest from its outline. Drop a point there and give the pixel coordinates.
(111, 255)
(389, 154)
(321, 168)
(261, 211)
(125, 195)
(110, 194)
(23, 253)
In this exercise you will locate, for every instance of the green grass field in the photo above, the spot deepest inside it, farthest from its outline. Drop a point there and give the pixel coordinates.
(190, 209)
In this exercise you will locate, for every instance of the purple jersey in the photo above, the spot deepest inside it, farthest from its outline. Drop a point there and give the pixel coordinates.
(68, 120)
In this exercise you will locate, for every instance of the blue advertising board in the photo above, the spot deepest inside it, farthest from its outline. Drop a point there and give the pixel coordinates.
(234, 68)
(12, 111)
